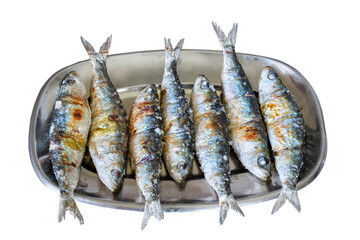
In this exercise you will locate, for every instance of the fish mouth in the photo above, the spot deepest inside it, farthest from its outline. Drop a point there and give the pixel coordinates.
(200, 78)
(180, 173)
(265, 72)
(267, 68)
(73, 74)
(112, 179)
(180, 177)
(201, 82)
(71, 78)
(150, 88)
(261, 174)
(268, 73)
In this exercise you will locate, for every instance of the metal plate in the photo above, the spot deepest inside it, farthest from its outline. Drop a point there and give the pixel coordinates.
(129, 72)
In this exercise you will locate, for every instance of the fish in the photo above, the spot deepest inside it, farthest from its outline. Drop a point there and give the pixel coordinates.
(108, 138)
(212, 143)
(246, 125)
(286, 129)
(145, 148)
(68, 134)
(177, 119)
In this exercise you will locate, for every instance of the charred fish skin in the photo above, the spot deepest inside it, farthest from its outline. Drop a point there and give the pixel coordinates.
(247, 129)
(286, 129)
(68, 136)
(145, 150)
(108, 139)
(212, 143)
(178, 147)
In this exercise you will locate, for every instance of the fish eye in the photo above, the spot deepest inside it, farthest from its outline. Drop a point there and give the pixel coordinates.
(294, 168)
(70, 81)
(272, 76)
(149, 90)
(263, 161)
(182, 166)
(115, 173)
(204, 85)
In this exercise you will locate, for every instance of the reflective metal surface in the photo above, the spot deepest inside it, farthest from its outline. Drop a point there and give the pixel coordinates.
(129, 72)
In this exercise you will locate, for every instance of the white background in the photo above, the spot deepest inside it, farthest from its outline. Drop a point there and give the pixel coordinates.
(318, 38)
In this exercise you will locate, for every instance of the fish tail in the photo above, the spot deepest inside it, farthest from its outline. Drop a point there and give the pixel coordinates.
(287, 193)
(104, 49)
(172, 54)
(226, 202)
(152, 208)
(67, 203)
(226, 41)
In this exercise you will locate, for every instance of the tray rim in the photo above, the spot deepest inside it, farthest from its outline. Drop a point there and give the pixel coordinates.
(173, 207)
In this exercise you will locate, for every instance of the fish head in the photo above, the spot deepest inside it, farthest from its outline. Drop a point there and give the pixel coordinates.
(269, 82)
(203, 91)
(180, 170)
(261, 167)
(148, 95)
(71, 85)
(112, 176)
(255, 158)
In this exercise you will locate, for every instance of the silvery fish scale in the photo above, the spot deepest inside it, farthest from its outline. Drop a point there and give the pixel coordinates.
(130, 72)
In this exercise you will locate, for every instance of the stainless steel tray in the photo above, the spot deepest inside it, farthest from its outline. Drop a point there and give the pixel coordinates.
(129, 72)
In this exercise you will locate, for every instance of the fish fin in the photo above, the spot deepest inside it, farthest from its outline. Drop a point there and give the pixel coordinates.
(172, 54)
(152, 208)
(67, 203)
(287, 193)
(232, 34)
(224, 40)
(89, 48)
(104, 49)
(103, 52)
(226, 202)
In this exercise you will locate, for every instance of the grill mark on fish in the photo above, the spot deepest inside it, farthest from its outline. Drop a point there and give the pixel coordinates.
(276, 94)
(67, 99)
(77, 114)
(253, 121)
(144, 159)
(250, 133)
(277, 152)
(113, 117)
(205, 115)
